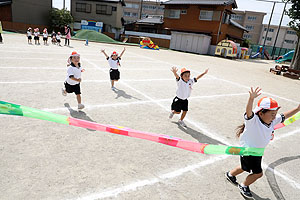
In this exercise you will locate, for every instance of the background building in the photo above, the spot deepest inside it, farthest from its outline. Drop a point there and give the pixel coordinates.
(252, 21)
(137, 9)
(110, 12)
(287, 37)
(17, 15)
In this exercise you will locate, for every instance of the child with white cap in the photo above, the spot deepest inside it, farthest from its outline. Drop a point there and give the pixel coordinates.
(184, 83)
(257, 131)
(73, 80)
(29, 35)
(114, 63)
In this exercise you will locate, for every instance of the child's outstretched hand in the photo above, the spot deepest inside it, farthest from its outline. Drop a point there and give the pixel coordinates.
(205, 72)
(174, 70)
(102, 50)
(255, 93)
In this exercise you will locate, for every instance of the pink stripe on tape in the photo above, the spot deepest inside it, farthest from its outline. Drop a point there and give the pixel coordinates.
(86, 124)
(168, 141)
(116, 131)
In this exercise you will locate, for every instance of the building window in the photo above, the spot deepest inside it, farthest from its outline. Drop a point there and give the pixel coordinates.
(269, 39)
(103, 9)
(291, 32)
(114, 8)
(249, 27)
(247, 36)
(289, 41)
(149, 7)
(83, 7)
(175, 14)
(130, 14)
(270, 29)
(252, 18)
(206, 15)
(132, 5)
(237, 17)
(183, 12)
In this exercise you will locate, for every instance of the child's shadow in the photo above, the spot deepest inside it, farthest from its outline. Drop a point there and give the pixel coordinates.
(122, 93)
(79, 115)
(200, 137)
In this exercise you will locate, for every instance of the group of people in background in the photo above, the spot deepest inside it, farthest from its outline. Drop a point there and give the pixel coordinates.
(55, 37)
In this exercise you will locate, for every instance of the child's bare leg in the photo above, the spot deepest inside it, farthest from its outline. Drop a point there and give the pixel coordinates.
(183, 115)
(251, 178)
(236, 171)
(78, 98)
(173, 111)
(112, 83)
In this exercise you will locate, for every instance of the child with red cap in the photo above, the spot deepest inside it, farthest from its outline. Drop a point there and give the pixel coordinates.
(36, 36)
(73, 80)
(114, 63)
(257, 131)
(45, 36)
(180, 102)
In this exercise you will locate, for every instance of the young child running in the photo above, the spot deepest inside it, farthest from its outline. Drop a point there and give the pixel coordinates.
(114, 63)
(73, 80)
(45, 36)
(180, 102)
(36, 36)
(257, 131)
(29, 35)
(53, 36)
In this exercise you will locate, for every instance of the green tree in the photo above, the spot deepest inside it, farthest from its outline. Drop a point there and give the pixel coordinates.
(294, 14)
(60, 18)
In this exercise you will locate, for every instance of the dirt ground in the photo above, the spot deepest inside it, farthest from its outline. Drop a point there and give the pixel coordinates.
(45, 160)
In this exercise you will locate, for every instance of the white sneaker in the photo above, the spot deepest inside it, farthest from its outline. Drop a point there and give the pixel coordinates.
(171, 115)
(63, 92)
(80, 106)
(181, 123)
(113, 88)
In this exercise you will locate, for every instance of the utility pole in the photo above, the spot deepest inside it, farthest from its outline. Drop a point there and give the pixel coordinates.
(274, 46)
(262, 56)
(64, 5)
(141, 9)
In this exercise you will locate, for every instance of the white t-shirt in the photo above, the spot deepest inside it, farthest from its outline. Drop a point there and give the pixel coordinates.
(29, 33)
(75, 72)
(114, 64)
(36, 33)
(184, 88)
(258, 134)
(45, 35)
(58, 37)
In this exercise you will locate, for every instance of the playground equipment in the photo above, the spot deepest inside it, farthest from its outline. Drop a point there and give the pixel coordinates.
(261, 51)
(286, 57)
(226, 48)
(244, 52)
(146, 43)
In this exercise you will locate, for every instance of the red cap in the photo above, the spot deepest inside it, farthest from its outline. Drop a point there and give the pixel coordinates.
(74, 53)
(267, 104)
(184, 70)
(114, 53)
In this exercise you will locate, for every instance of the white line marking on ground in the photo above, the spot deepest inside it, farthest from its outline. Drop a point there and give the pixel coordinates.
(113, 192)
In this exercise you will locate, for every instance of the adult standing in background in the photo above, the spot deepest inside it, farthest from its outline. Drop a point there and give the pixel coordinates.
(68, 35)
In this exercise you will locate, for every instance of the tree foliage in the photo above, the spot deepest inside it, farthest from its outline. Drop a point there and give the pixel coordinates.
(60, 18)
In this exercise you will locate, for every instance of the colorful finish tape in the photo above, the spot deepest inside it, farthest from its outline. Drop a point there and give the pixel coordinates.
(14, 109)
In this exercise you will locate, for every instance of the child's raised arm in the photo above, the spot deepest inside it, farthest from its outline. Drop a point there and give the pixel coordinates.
(292, 112)
(253, 95)
(122, 52)
(103, 51)
(205, 72)
(174, 70)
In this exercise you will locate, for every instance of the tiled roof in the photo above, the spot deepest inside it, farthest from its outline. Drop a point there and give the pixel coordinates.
(202, 2)
(234, 23)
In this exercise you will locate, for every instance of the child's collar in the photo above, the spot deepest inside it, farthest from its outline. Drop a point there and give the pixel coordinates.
(73, 65)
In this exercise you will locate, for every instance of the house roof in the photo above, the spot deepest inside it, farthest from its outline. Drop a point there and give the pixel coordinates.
(201, 2)
(5, 2)
(109, 1)
(234, 23)
(151, 20)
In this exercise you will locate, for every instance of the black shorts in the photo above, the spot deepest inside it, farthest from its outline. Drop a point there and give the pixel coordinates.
(72, 88)
(58, 40)
(36, 38)
(45, 38)
(179, 104)
(29, 37)
(251, 163)
(114, 74)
